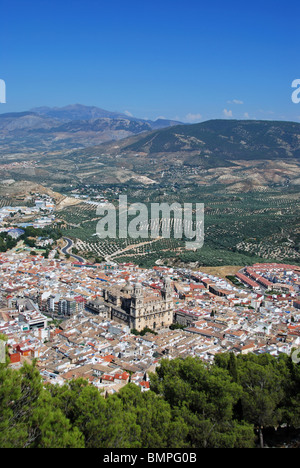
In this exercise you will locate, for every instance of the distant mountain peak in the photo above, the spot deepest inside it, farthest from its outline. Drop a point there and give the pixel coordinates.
(72, 126)
(77, 112)
(83, 112)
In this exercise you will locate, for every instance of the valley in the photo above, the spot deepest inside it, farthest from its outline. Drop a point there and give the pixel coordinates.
(247, 174)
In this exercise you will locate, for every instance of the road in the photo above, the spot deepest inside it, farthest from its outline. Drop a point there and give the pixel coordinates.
(66, 250)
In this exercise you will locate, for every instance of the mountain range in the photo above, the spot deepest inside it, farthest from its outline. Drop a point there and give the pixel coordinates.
(89, 145)
(75, 126)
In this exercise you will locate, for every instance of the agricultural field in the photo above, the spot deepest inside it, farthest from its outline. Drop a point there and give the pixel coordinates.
(240, 229)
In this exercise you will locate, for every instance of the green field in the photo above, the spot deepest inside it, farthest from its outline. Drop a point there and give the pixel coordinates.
(239, 228)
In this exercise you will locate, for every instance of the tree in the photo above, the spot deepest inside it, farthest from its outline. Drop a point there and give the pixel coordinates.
(262, 380)
(30, 242)
(291, 403)
(46, 254)
(177, 326)
(204, 397)
(27, 416)
(158, 427)
(101, 421)
(49, 427)
(19, 392)
(99, 259)
(190, 404)
(232, 367)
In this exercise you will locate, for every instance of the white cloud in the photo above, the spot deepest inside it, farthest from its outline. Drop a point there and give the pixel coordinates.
(235, 101)
(193, 117)
(246, 115)
(227, 113)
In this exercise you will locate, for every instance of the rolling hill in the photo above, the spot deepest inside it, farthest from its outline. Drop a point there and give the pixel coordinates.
(224, 139)
(239, 155)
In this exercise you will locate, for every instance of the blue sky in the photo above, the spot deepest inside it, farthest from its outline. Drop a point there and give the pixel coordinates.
(185, 60)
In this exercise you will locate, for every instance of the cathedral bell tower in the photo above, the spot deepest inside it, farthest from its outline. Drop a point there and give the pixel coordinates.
(137, 299)
(167, 290)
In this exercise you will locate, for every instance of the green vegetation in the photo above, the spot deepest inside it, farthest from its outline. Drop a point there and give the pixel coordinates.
(249, 228)
(28, 417)
(235, 281)
(229, 404)
(7, 242)
(31, 235)
(47, 232)
(143, 332)
(177, 326)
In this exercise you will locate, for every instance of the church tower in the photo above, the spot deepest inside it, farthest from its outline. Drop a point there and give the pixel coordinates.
(167, 290)
(137, 301)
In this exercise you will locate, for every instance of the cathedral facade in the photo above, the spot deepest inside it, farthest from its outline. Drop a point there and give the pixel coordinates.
(138, 308)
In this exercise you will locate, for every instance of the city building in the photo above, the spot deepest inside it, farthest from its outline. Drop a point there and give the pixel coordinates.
(140, 308)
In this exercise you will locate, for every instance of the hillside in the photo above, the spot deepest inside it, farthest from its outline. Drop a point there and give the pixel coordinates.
(236, 155)
(225, 140)
(239, 155)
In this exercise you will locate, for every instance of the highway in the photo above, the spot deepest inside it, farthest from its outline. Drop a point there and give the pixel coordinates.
(66, 250)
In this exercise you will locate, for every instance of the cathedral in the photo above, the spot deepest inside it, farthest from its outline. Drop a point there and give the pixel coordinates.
(138, 307)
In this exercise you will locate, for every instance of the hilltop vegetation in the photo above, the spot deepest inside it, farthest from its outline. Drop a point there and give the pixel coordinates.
(229, 404)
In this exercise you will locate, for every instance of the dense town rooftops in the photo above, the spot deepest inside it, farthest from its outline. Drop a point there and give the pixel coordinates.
(217, 317)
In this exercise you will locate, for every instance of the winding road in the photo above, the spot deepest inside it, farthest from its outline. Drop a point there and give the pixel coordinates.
(66, 249)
